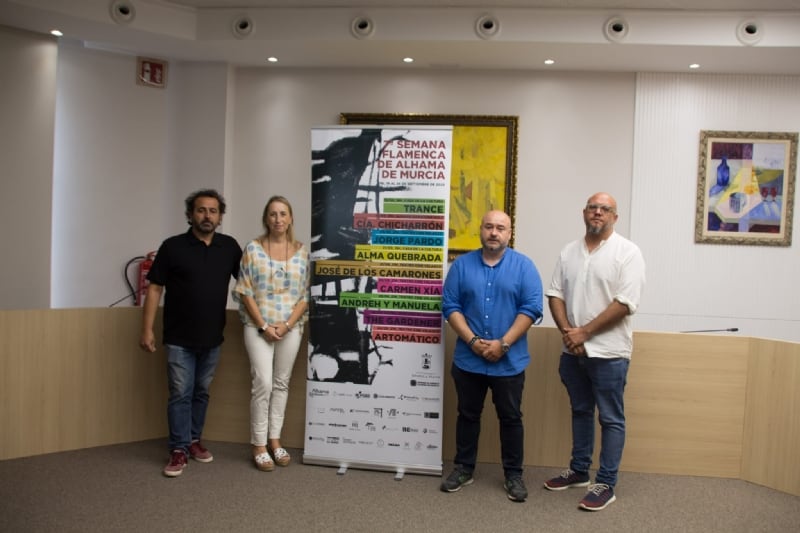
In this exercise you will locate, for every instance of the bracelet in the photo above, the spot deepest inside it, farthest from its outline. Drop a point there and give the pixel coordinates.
(288, 327)
(263, 328)
(474, 340)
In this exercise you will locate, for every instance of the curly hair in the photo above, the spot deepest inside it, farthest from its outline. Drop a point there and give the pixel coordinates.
(204, 193)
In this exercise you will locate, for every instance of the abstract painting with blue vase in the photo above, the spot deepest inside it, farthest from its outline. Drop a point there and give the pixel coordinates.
(746, 196)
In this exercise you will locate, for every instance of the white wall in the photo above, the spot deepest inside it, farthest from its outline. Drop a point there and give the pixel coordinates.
(27, 103)
(127, 155)
(110, 175)
(708, 286)
(196, 134)
(575, 138)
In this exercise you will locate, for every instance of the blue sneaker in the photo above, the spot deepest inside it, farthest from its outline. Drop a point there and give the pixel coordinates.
(598, 498)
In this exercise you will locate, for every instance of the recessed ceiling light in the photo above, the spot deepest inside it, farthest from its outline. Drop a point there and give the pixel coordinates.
(272, 59)
(694, 65)
(57, 33)
(408, 60)
(549, 61)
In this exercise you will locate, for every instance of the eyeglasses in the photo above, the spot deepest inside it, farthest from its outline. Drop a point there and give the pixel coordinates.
(604, 208)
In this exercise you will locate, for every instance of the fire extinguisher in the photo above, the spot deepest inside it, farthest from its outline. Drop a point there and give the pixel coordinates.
(144, 267)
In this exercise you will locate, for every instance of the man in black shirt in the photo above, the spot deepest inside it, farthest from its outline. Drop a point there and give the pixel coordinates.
(195, 268)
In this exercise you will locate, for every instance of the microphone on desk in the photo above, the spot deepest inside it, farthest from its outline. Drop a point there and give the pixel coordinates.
(711, 330)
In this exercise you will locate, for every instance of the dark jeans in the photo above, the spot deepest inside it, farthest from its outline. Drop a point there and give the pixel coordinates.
(594, 382)
(507, 398)
(189, 375)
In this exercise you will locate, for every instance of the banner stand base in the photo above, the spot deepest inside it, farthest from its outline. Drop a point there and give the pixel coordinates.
(400, 470)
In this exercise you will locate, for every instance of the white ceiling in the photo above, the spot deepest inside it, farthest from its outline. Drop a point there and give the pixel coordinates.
(581, 4)
(655, 35)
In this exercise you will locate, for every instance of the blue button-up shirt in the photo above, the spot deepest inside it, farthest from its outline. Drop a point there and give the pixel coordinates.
(490, 298)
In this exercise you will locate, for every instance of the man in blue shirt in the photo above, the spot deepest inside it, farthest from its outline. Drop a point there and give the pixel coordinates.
(491, 298)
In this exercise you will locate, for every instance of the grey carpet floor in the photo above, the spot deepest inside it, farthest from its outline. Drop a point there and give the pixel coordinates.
(121, 489)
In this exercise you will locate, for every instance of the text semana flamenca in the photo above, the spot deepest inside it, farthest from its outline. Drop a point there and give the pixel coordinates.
(404, 159)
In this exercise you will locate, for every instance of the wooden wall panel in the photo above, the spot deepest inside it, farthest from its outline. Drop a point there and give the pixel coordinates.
(711, 405)
(76, 378)
(546, 413)
(685, 403)
(772, 421)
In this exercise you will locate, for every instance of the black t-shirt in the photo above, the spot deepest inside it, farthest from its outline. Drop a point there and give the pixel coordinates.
(195, 278)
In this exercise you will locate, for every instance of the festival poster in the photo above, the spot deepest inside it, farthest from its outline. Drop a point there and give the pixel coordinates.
(374, 391)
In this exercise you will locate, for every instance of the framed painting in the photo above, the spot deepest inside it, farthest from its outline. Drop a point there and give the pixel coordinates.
(484, 168)
(745, 187)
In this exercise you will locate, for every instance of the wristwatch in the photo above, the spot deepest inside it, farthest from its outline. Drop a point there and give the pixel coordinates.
(505, 346)
(263, 328)
(473, 340)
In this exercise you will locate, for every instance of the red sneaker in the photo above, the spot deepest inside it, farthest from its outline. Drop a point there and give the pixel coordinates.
(568, 478)
(177, 462)
(198, 452)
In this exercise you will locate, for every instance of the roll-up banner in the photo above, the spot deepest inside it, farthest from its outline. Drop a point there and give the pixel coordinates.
(374, 388)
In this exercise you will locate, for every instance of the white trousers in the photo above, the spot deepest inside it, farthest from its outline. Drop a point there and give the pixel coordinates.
(270, 369)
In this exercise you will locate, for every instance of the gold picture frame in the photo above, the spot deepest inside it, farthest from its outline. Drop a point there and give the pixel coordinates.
(745, 187)
(483, 173)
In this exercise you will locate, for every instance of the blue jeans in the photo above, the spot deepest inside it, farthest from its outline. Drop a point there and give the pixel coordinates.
(507, 397)
(593, 382)
(189, 375)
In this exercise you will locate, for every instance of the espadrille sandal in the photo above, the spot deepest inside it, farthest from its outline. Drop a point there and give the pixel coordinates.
(264, 462)
(281, 456)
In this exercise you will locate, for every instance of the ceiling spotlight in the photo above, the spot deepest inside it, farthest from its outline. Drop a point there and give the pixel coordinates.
(487, 27)
(122, 11)
(549, 61)
(616, 29)
(694, 65)
(272, 59)
(57, 33)
(749, 32)
(243, 26)
(408, 60)
(362, 27)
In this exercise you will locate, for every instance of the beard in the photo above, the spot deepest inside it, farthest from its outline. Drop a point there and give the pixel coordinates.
(595, 230)
(494, 246)
(205, 227)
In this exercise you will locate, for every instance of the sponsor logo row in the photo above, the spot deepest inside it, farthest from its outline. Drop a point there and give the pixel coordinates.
(379, 443)
(317, 392)
(371, 426)
(378, 412)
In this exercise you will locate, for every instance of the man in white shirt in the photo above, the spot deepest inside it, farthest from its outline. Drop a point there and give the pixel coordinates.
(596, 287)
